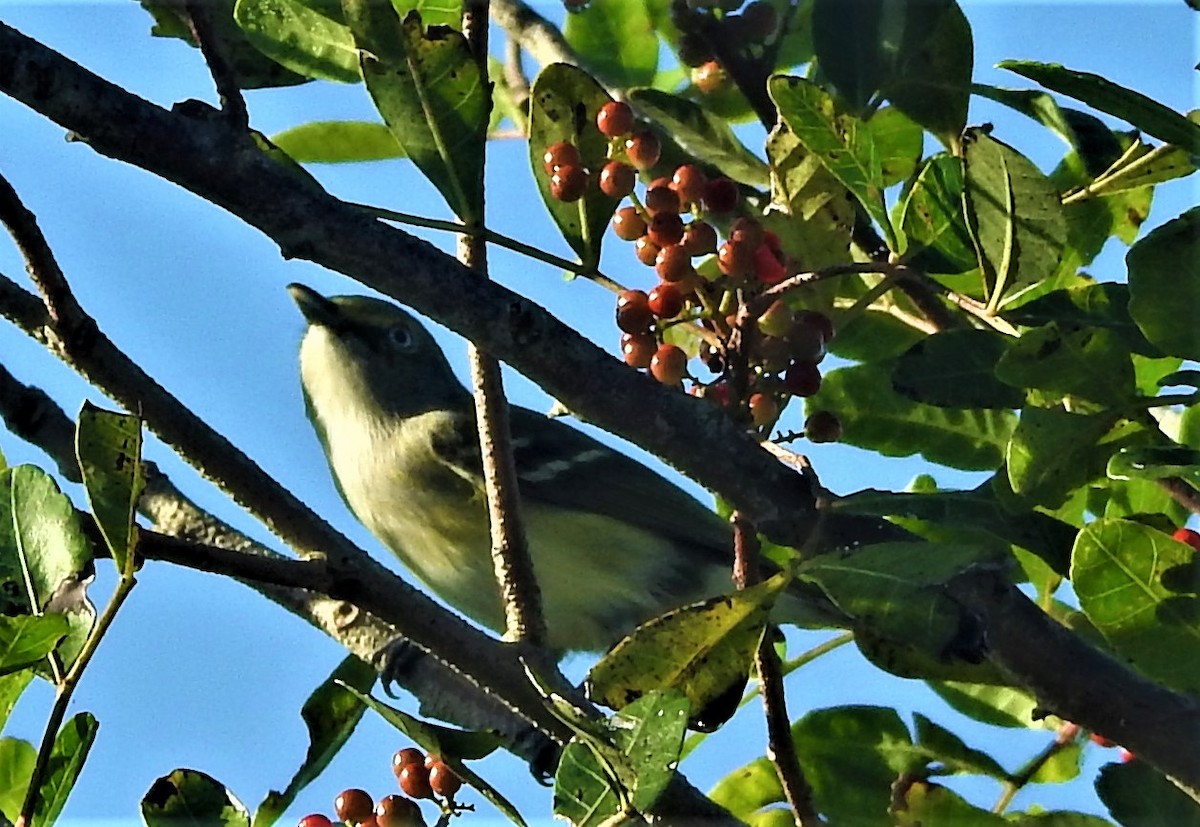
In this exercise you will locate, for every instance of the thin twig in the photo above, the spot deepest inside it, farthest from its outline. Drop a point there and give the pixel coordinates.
(1182, 492)
(1015, 783)
(200, 23)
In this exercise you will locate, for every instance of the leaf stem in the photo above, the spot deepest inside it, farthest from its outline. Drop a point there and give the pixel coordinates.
(1066, 736)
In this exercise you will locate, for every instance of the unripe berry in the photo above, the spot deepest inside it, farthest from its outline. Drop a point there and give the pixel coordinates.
(665, 229)
(688, 181)
(1186, 535)
(669, 364)
(398, 811)
(414, 781)
(661, 199)
(559, 155)
(315, 820)
(643, 150)
(354, 806)
(443, 780)
(822, 426)
(638, 349)
(720, 195)
(802, 379)
(673, 263)
(764, 410)
(710, 77)
(568, 182)
(617, 179)
(614, 119)
(666, 301)
(699, 238)
(628, 224)
(633, 311)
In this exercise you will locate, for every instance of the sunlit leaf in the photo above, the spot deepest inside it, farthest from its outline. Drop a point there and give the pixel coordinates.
(1164, 277)
(301, 36)
(338, 142)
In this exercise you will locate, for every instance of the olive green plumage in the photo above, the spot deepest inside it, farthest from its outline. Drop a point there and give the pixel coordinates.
(613, 543)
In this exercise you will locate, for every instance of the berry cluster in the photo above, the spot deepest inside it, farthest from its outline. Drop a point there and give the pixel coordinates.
(419, 775)
(704, 22)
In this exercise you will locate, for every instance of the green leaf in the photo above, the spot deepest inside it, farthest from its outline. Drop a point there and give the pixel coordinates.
(852, 755)
(926, 804)
(895, 591)
(188, 797)
(874, 336)
(1139, 588)
(11, 688)
(1059, 818)
(1164, 277)
(584, 792)
(846, 39)
(948, 749)
(748, 789)
(17, 758)
(930, 80)
(1146, 114)
(53, 549)
(703, 650)
(811, 211)
(331, 714)
(649, 732)
(1086, 362)
(1139, 796)
(931, 216)
(899, 141)
(1054, 451)
(432, 96)
(616, 39)
(433, 12)
(875, 417)
(108, 446)
(996, 705)
(1013, 213)
(453, 746)
(338, 142)
(955, 369)
(1089, 305)
(301, 36)
(26, 639)
(1154, 462)
(844, 143)
(564, 101)
(1062, 766)
(1141, 168)
(67, 756)
(701, 134)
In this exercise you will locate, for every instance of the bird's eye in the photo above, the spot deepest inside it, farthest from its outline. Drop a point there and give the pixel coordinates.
(401, 337)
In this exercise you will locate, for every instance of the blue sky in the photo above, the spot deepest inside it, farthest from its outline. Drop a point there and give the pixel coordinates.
(201, 672)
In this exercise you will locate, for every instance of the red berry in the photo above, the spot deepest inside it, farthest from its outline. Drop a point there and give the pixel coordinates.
(353, 806)
(802, 378)
(559, 155)
(646, 250)
(665, 229)
(661, 199)
(699, 238)
(398, 811)
(628, 224)
(614, 119)
(674, 263)
(822, 426)
(617, 179)
(414, 781)
(669, 364)
(633, 311)
(805, 342)
(406, 756)
(643, 150)
(764, 410)
(710, 77)
(315, 820)
(688, 181)
(638, 349)
(746, 231)
(817, 320)
(666, 301)
(568, 182)
(1186, 535)
(735, 260)
(443, 780)
(720, 195)
(767, 267)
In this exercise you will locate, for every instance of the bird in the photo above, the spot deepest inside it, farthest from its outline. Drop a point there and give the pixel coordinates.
(613, 543)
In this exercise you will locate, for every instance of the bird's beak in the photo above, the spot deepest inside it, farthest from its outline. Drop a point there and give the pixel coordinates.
(317, 309)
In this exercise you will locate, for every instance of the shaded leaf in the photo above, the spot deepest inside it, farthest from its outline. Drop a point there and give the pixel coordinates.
(948, 749)
(1139, 796)
(874, 416)
(899, 141)
(301, 36)
(956, 369)
(1065, 360)
(188, 797)
(1154, 462)
(1146, 114)
(1053, 451)
(926, 804)
(616, 39)
(108, 446)
(338, 142)
(847, 42)
(1104, 305)
(1139, 588)
(748, 789)
(930, 80)
(811, 210)
(931, 216)
(1164, 276)
(432, 96)
(26, 639)
(67, 756)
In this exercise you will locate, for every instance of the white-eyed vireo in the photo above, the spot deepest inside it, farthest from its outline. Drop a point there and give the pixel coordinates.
(613, 543)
